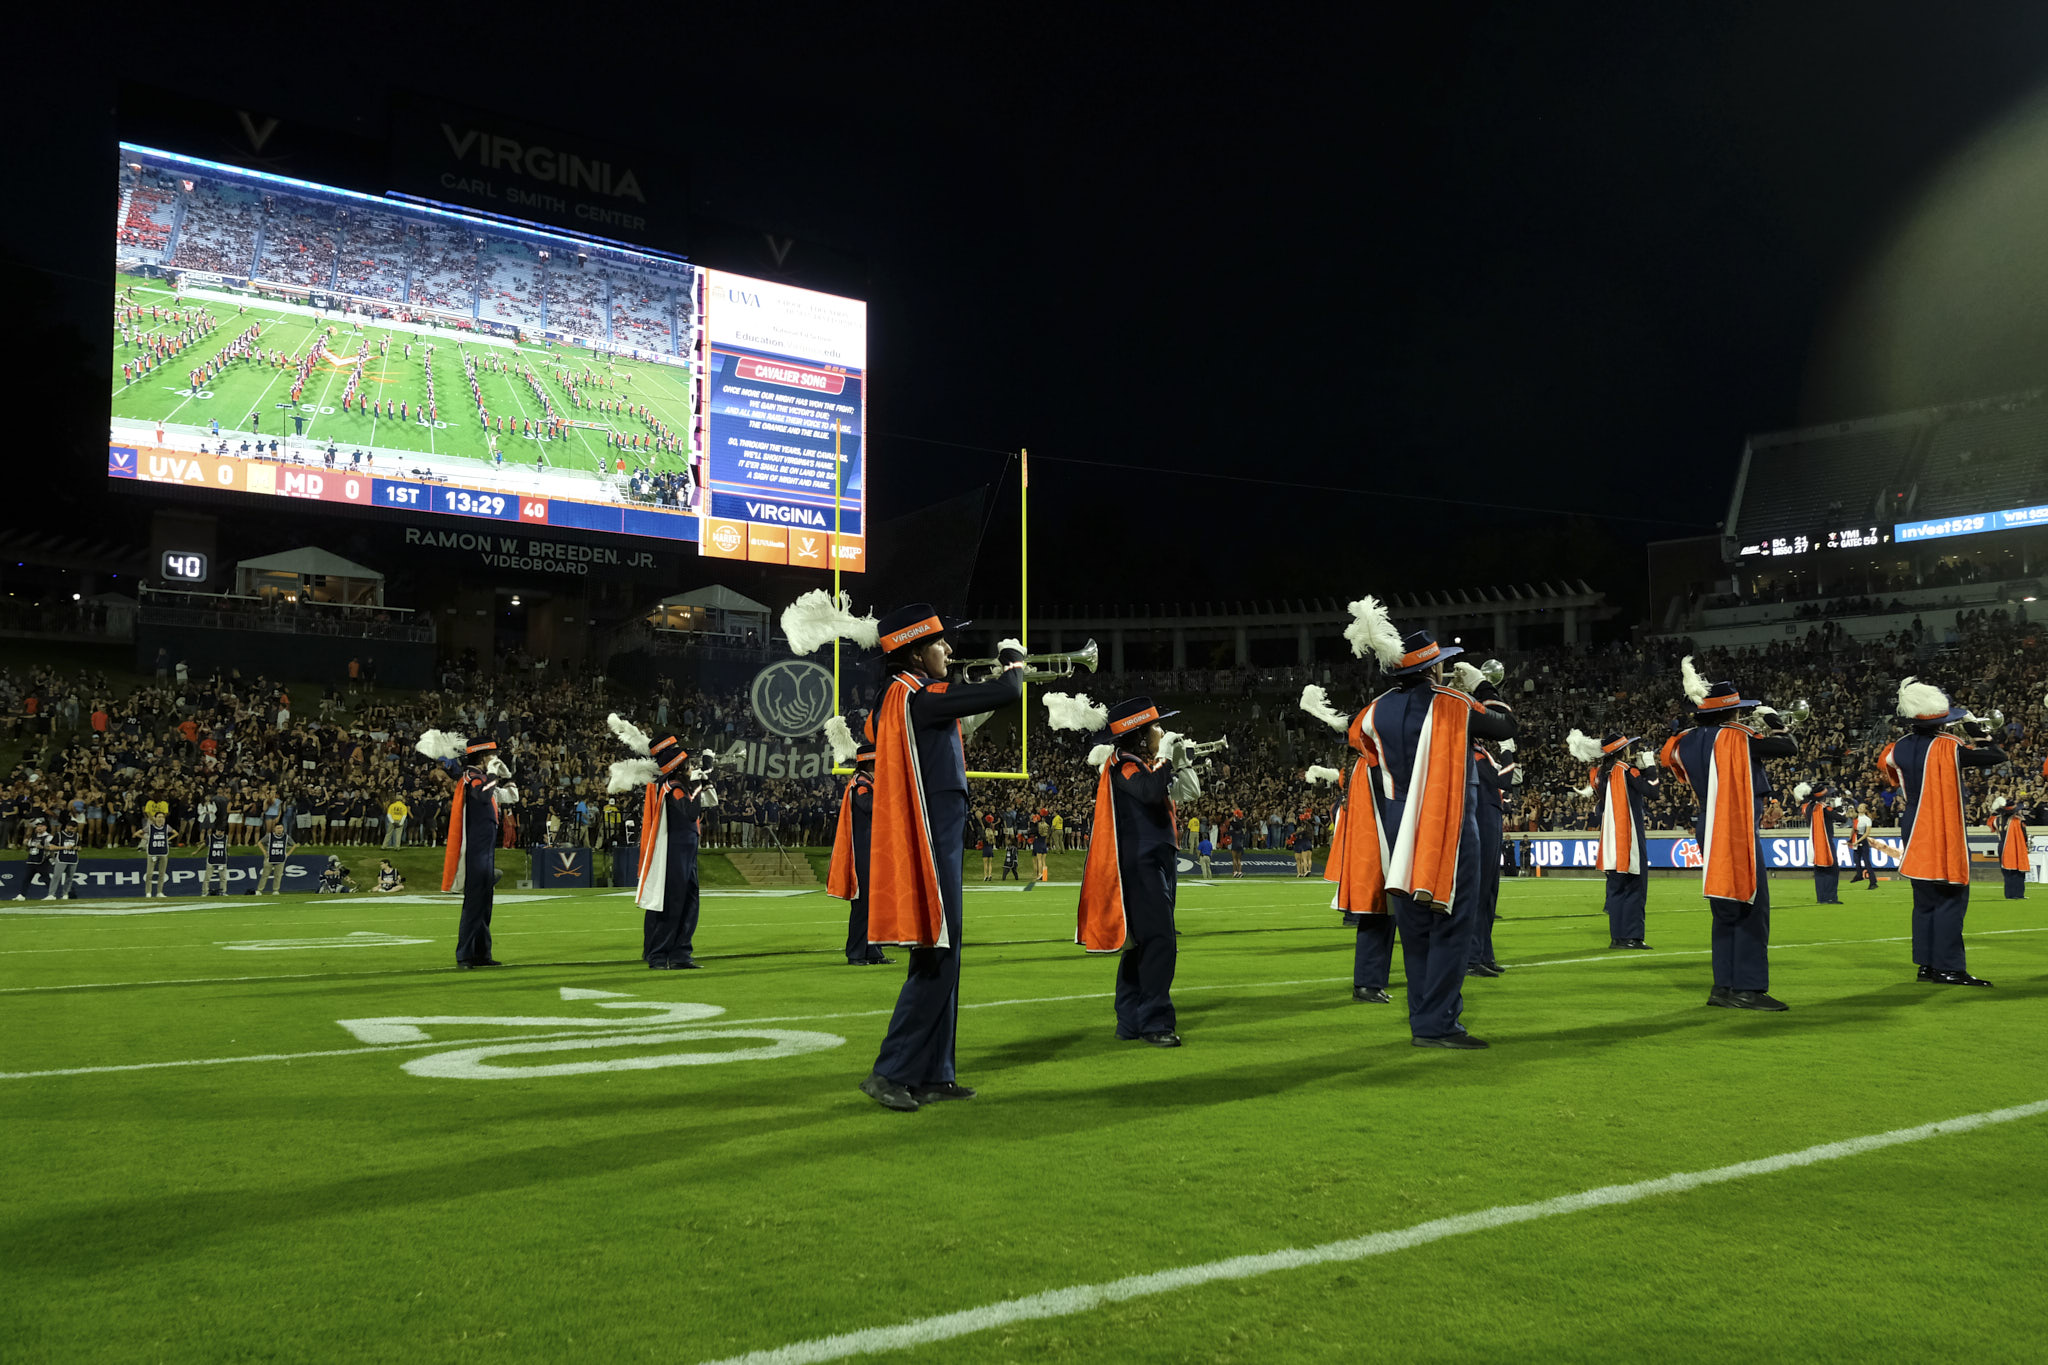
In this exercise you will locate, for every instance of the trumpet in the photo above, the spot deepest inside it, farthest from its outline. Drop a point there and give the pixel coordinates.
(1494, 671)
(1190, 750)
(1040, 667)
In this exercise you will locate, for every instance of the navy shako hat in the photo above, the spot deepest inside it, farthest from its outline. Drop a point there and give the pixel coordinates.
(668, 754)
(1721, 697)
(1617, 741)
(913, 623)
(1419, 650)
(1131, 717)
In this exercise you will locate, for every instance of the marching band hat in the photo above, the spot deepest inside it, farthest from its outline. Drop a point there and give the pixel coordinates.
(668, 753)
(912, 623)
(481, 746)
(1130, 717)
(1419, 650)
(1617, 741)
(1721, 697)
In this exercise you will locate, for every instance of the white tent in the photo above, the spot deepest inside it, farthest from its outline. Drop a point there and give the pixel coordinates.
(716, 610)
(311, 574)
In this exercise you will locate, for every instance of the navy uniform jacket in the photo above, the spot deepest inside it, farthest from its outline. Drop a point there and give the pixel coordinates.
(1910, 754)
(1493, 785)
(681, 800)
(479, 816)
(935, 715)
(1397, 720)
(863, 825)
(1696, 753)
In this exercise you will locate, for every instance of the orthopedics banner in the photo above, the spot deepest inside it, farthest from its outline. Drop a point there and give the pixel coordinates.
(111, 878)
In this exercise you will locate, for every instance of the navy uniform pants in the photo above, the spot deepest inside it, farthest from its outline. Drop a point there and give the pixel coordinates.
(1827, 881)
(1938, 910)
(1372, 962)
(479, 879)
(1628, 894)
(2015, 885)
(1435, 946)
(1489, 888)
(858, 949)
(1144, 970)
(667, 934)
(1741, 939)
(918, 1049)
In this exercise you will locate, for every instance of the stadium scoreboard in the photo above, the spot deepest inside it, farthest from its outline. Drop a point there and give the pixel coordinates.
(280, 338)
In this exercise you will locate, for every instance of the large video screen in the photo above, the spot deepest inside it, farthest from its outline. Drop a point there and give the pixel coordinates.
(278, 338)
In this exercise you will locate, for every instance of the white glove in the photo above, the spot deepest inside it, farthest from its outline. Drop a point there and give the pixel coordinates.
(1170, 746)
(1469, 677)
(495, 766)
(1184, 785)
(709, 796)
(508, 795)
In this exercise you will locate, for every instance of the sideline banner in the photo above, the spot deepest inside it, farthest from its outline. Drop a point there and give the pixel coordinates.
(1259, 864)
(560, 867)
(1779, 853)
(110, 878)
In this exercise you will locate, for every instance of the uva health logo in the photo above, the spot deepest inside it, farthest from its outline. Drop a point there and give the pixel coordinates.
(793, 697)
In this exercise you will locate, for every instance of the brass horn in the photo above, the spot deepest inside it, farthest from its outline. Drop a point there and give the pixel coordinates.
(1190, 749)
(1042, 667)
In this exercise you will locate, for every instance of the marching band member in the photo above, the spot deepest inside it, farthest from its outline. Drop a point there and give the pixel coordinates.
(1426, 795)
(848, 879)
(1620, 790)
(1495, 778)
(1128, 884)
(1722, 761)
(919, 829)
(475, 809)
(1358, 858)
(675, 795)
(1930, 765)
(1820, 821)
(2009, 821)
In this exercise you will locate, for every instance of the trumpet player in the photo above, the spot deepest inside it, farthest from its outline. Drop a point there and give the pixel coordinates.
(1129, 883)
(2008, 820)
(1819, 810)
(673, 794)
(482, 793)
(1930, 763)
(848, 879)
(1619, 791)
(1495, 777)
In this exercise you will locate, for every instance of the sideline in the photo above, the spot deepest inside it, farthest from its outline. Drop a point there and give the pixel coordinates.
(1061, 1303)
(625, 1032)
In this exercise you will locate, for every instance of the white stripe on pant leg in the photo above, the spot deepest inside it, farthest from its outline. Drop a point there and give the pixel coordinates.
(1059, 1303)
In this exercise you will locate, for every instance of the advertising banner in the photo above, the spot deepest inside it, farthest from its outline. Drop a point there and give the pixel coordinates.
(109, 878)
(560, 867)
(1260, 864)
(1789, 851)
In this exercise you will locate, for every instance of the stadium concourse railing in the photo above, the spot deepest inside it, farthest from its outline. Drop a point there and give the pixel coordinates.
(229, 611)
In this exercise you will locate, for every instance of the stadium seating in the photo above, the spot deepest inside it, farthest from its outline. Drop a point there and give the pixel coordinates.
(508, 283)
(1816, 482)
(575, 298)
(444, 271)
(375, 257)
(218, 229)
(1987, 457)
(299, 245)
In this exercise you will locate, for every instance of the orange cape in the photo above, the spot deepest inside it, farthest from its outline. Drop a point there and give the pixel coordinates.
(2012, 849)
(843, 881)
(1823, 846)
(1937, 851)
(451, 858)
(1423, 863)
(1360, 858)
(1336, 857)
(904, 905)
(1620, 850)
(1730, 851)
(1099, 921)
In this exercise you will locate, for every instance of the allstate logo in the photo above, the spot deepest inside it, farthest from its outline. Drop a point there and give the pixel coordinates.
(1686, 853)
(793, 697)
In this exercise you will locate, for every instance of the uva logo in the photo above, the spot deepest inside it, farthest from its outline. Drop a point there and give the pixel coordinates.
(120, 463)
(566, 864)
(793, 697)
(1686, 853)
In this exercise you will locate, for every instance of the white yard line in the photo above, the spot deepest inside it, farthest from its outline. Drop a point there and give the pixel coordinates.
(1077, 1299)
(625, 1031)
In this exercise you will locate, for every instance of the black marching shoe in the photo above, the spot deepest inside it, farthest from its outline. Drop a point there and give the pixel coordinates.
(1721, 997)
(1621, 943)
(1756, 1000)
(880, 960)
(944, 1090)
(688, 964)
(1927, 973)
(1371, 995)
(1638, 943)
(1958, 979)
(472, 966)
(1460, 1042)
(1481, 969)
(888, 1094)
(1498, 969)
(1167, 1039)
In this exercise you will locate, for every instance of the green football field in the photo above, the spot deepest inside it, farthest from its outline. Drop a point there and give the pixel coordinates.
(574, 1158)
(247, 386)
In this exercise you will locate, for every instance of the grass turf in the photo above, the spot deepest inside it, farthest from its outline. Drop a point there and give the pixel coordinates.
(337, 1206)
(248, 386)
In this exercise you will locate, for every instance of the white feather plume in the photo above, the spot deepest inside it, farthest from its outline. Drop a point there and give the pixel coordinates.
(840, 735)
(631, 773)
(1316, 702)
(630, 735)
(1372, 629)
(1063, 712)
(1321, 774)
(1100, 755)
(1011, 643)
(1802, 791)
(1997, 804)
(1583, 746)
(442, 744)
(1507, 746)
(1586, 790)
(818, 617)
(1469, 677)
(1695, 685)
(1917, 698)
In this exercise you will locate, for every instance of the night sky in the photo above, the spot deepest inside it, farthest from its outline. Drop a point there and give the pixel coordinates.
(1504, 285)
